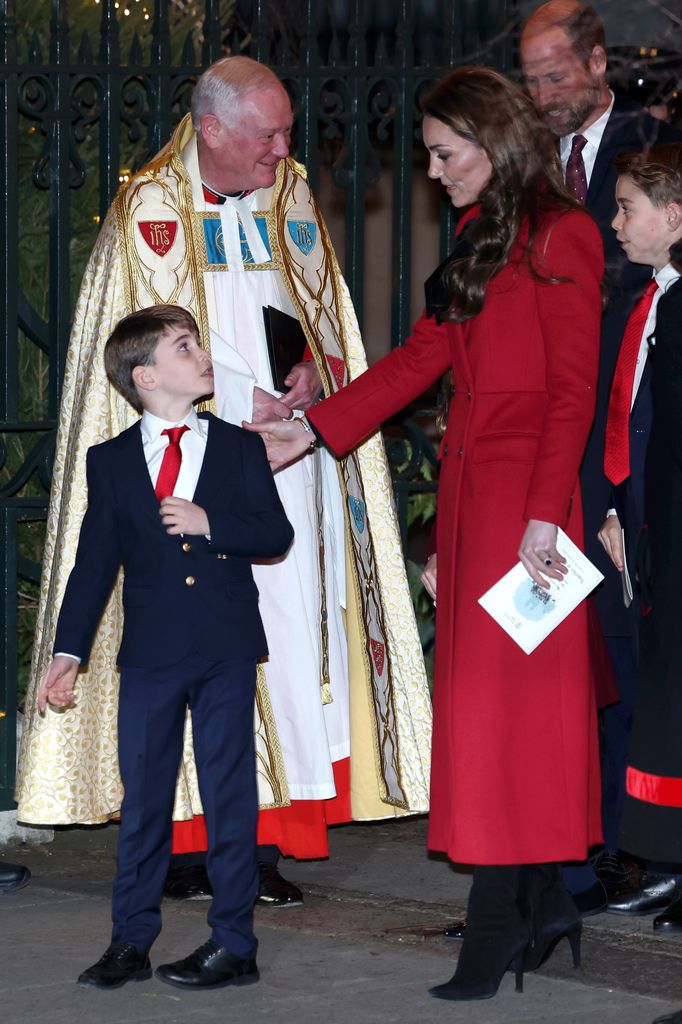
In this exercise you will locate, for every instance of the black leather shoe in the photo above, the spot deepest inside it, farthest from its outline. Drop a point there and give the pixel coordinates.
(209, 966)
(591, 901)
(670, 921)
(614, 871)
(643, 896)
(13, 876)
(121, 962)
(275, 891)
(188, 883)
(670, 1018)
(455, 930)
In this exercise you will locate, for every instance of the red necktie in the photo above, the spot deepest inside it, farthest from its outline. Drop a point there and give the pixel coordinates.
(576, 179)
(170, 465)
(617, 444)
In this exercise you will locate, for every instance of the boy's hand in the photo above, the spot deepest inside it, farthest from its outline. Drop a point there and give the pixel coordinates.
(267, 407)
(57, 685)
(180, 516)
(611, 537)
(430, 575)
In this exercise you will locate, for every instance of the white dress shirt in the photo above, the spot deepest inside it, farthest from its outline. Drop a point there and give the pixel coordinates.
(154, 443)
(192, 446)
(593, 135)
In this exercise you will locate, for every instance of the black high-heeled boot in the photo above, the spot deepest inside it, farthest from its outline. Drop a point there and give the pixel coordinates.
(495, 938)
(550, 912)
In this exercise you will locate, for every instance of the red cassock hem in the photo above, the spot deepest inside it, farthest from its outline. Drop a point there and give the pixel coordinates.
(299, 830)
(663, 790)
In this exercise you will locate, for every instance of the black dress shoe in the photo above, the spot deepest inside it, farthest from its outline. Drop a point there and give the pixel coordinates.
(591, 901)
(121, 962)
(644, 895)
(670, 921)
(13, 876)
(209, 966)
(670, 1018)
(614, 871)
(275, 891)
(188, 883)
(455, 930)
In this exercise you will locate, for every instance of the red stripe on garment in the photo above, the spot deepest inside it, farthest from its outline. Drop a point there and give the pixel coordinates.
(663, 790)
(299, 830)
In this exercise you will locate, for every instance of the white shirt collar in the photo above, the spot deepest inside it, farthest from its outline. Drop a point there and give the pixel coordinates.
(152, 426)
(666, 276)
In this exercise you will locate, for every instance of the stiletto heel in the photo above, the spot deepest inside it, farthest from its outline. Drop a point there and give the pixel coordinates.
(551, 913)
(517, 967)
(574, 937)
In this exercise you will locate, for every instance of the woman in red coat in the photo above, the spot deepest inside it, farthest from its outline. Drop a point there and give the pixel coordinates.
(515, 314)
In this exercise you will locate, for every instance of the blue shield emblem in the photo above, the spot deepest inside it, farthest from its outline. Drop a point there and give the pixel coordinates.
(304, 234)
(357, 511)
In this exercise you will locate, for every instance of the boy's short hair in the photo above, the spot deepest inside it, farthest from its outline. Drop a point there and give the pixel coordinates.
(133, 343)
(656, 171)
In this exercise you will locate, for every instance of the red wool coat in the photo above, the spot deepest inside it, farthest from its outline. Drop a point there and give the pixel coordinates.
(515, 768)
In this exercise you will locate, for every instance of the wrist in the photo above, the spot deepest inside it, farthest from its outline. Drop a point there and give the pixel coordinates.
(311, 436)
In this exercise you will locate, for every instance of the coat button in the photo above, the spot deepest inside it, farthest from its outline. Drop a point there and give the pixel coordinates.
(445, 450)
(190, 581)
(461, 451)
(187, 546)
(221, 557)
(469, 393)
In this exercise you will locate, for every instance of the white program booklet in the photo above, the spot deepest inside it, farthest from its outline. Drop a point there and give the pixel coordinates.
(529, 612)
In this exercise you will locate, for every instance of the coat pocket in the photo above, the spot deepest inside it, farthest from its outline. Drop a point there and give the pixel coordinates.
(505, 448)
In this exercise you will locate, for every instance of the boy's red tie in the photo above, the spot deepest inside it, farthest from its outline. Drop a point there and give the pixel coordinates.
(170, 466)
(617, 443)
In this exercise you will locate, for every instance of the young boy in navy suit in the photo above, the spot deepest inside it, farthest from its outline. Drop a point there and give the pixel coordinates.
(183, 501)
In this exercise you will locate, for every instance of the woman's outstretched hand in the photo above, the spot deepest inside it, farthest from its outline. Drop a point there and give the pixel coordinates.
(285, 440)
(539, 554)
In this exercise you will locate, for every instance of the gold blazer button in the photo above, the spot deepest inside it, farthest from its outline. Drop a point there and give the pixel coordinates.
(186, 546)
(190, 581)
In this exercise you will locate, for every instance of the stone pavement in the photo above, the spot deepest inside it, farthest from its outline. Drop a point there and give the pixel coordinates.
(362, 950)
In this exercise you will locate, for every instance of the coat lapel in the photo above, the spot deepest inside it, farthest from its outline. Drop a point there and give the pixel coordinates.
(211, 469)
(626, 125)
(135, 472)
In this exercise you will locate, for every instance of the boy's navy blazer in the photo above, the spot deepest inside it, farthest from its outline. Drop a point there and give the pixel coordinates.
(628, 129)
(181, 594)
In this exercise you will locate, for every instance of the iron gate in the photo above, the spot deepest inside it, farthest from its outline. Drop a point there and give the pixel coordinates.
(83, 104)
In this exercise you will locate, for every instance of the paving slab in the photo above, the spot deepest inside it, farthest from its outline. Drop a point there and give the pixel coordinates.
(364, 947)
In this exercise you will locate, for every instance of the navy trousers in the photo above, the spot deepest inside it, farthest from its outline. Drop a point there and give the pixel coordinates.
(151, 721)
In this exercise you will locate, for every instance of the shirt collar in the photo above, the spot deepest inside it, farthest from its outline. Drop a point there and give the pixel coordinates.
(592, 133)
(666, 276)
(152, 426)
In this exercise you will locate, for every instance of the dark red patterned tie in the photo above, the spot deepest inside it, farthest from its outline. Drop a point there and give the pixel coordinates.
(617, 443)
(170, 465)
(576, 179)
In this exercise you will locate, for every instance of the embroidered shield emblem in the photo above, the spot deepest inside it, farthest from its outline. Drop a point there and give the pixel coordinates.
(304, 234)
(357, 511)
(338, 368)
(159, 234)
(378, 655)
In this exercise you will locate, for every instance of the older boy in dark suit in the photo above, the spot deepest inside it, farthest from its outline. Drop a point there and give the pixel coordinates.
(191, 637)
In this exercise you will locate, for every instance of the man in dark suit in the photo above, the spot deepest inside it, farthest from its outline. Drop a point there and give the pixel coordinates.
(563, 57)
(192, 635)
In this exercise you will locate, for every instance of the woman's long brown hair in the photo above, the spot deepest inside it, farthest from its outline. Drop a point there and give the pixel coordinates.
(484, 107)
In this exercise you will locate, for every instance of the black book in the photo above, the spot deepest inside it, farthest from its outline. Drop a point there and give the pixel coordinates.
(286, 344)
